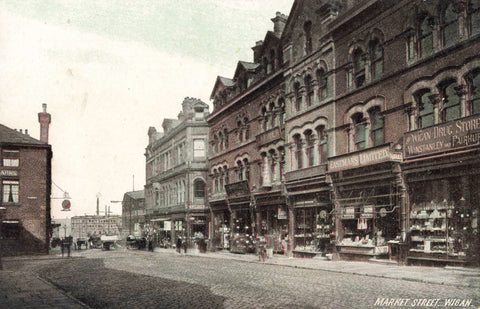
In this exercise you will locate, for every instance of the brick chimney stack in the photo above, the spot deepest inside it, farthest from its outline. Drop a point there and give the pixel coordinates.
(44, 118)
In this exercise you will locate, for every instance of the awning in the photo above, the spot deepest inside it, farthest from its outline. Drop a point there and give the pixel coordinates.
(159, 219)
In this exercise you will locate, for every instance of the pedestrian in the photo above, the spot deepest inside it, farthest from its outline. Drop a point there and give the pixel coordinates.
(179, 245)
(185, 245)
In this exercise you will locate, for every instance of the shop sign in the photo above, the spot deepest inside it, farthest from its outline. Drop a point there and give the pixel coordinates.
(367, 212)
(282, 214)
(349, 213)
(167, 225)
(196, 207)
(9, 173)
(357, 159)
(445, 136)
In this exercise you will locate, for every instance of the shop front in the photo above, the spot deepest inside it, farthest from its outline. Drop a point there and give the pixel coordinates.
(441, 167)
(242, 217)
(272, 220)
(369, 197)
(220, 226)
(310, 211)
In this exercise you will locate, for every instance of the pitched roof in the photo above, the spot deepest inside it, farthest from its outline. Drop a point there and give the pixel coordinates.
(136, 194)
(11, 136)
(226, 82)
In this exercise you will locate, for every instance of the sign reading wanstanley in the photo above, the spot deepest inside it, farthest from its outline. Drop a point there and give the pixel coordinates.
(450, 135)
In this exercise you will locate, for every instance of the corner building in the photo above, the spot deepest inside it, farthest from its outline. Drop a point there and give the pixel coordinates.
(176, 173)
(26, 182)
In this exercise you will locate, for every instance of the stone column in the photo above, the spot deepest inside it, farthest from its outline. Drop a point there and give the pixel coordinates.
(462, 94)
(304, 153)
(316, 98)
(435, 99)
(368, 140)
(315, 153)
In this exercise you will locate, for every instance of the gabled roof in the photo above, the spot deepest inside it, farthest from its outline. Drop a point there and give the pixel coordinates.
(221, 81)
(11, 136)
(136, 195)
(247, 66)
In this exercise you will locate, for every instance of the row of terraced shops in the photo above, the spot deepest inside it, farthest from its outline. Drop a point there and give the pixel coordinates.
(353, 134)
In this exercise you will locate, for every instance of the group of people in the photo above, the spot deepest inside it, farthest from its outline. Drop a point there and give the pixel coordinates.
(181, 244)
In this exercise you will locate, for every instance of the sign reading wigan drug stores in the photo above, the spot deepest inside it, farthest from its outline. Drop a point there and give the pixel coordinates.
(446, 136)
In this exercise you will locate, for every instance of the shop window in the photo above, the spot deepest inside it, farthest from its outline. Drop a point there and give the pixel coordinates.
(10, 229)
(426, 36)
(307, 28)
(451, 101)
(475, 16)
(199, 189)
(322, 84)
(322, 144)
(11, 158)
(309, 89)
(10, 191)
(360, 128)
(376, 56)
(310, 147)
(425, 109)
(359, 68)
(198, 149)
(474, 91)
(298, 150)
(376, 122)
(450, 33)
(298, 96)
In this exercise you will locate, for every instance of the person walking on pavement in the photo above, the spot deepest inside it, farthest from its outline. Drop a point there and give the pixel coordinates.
(179, 245)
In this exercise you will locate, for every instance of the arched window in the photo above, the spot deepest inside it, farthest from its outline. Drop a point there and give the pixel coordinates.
(246, 129)
(307, 28)
(322, 144)
(450, 33)
(360, 128)
(215, 180)
(225, 176)
(475, 16)
(265, 118)
(240, 170)
(298, 150)
(272, 114)
(358, 68)
(376, 122)
(225, 138)
(425, 109)
(322, 84)
(426, 36)
(376, 56)
(199, 189)
(474, 91)
(309, 147)
(451, 101)
(246, 170)
(298, 96)
(240, 131)
(309, 89)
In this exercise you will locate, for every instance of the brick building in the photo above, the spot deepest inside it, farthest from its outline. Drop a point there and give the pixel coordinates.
(246, 153)
(133, 212)
(95, 225)
(376, 150)
(25, 190)
(176, 173)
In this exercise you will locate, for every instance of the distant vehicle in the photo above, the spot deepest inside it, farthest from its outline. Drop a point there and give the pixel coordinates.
(56, 242)
(243, 244)
(108, 242)
(82, 242)
(136, 242)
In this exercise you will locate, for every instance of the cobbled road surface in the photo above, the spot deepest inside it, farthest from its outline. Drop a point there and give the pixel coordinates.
(140, 279)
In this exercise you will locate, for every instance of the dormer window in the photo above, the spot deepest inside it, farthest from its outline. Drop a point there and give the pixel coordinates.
(307, 28)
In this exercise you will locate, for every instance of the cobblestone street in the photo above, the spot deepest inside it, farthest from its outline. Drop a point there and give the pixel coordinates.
(140, 279)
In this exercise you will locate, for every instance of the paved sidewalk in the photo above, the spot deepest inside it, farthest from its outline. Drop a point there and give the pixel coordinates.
(452, 276)
(22, 288)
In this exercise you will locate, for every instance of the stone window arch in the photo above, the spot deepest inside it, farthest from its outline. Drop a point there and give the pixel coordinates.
(297, 141)
(376, 59)
(358, 67)
(308, 89)
(298, 96)
(425, 35)
(322, 81)
(359, 123)
(451, 101)
(376, 123)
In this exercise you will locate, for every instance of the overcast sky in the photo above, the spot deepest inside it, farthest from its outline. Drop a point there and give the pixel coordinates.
(110, 69)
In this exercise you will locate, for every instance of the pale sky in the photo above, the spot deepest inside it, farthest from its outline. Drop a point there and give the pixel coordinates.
(108, 70)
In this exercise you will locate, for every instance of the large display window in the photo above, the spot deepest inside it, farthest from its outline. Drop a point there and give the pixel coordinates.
(313, 227)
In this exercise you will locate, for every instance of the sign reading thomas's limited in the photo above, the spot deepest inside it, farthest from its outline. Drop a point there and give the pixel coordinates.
(445, 136)
(361, 158)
